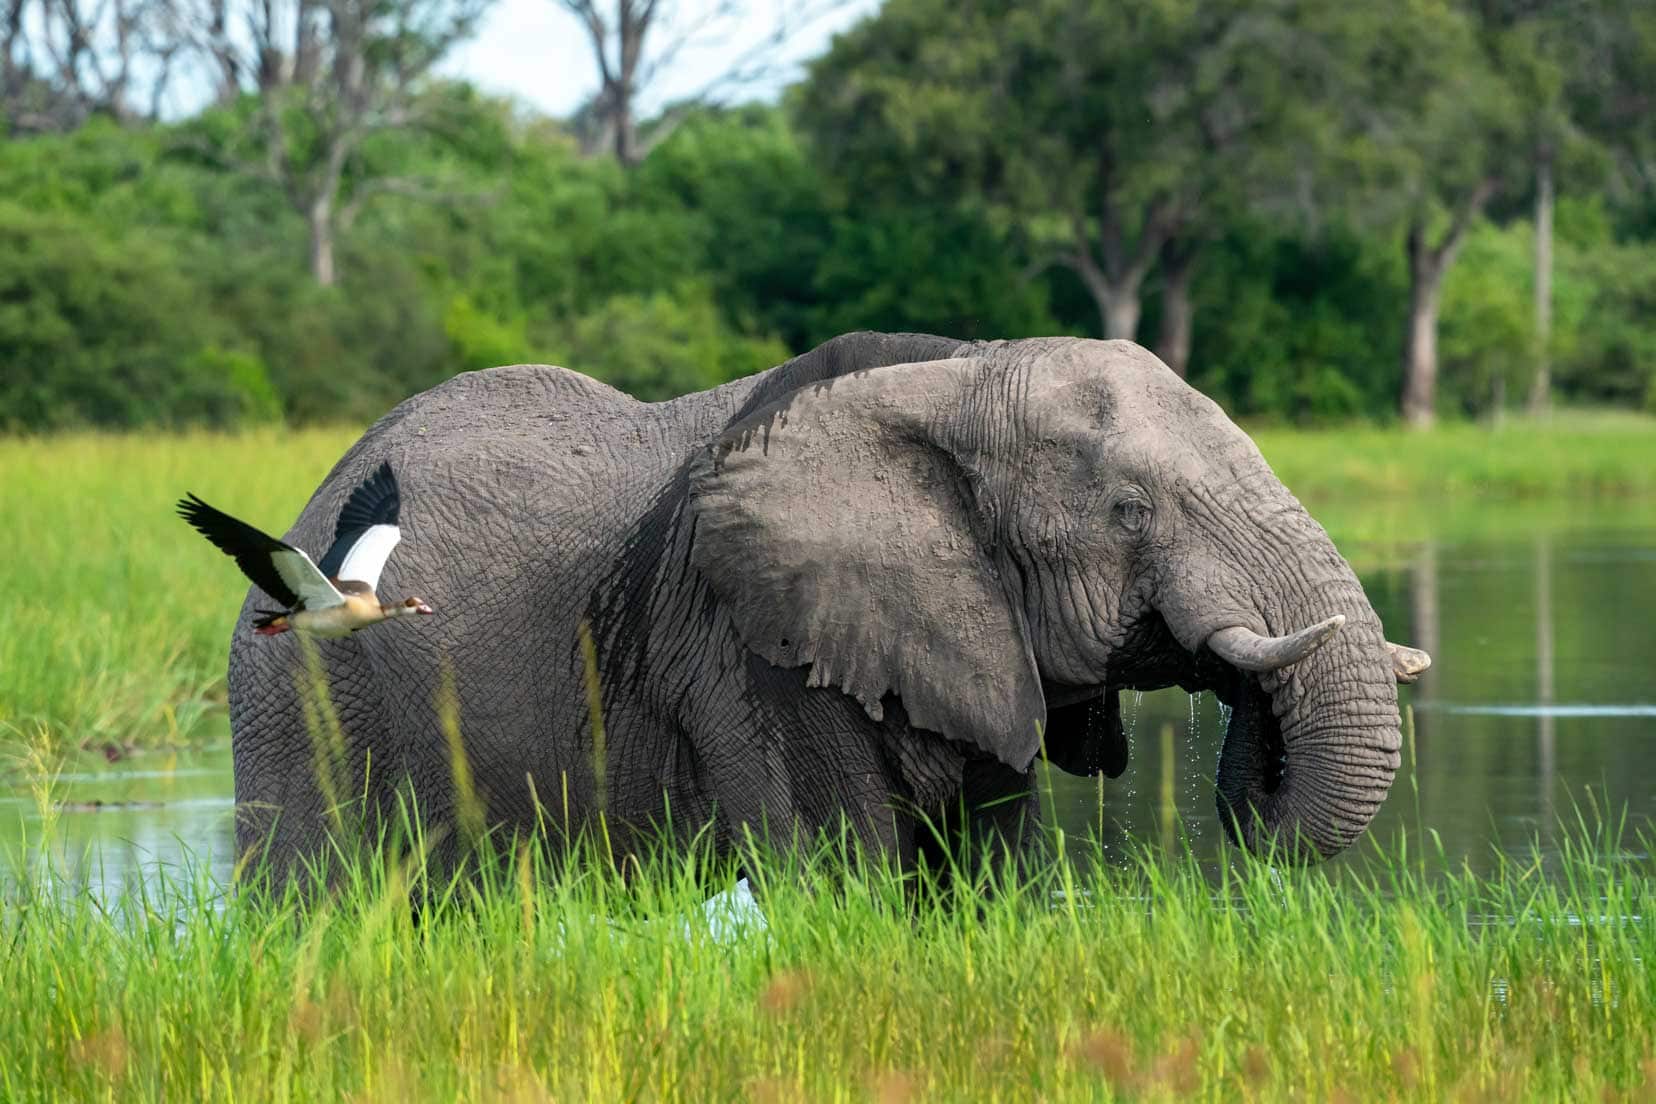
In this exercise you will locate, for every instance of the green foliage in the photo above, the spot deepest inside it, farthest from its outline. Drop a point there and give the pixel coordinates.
(95, 331)
(1305, 331)
(1611, 356)
(941, 270)
(762, 221)
(221, 387)
(481, 340)
(1486, 341)
(658, 346)
(1603, 348)
(918, 180)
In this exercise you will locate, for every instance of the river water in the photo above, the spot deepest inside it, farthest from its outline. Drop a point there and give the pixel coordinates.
(1541, 701)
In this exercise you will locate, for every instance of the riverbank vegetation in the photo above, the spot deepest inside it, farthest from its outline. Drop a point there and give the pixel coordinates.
(1102, 979)
(114, 623)
(1577, 454)
(114, 619)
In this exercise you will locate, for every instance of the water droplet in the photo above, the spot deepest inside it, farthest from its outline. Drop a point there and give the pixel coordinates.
(1191, 783)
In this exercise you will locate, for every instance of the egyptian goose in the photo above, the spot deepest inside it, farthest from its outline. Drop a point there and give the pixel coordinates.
(335, 597)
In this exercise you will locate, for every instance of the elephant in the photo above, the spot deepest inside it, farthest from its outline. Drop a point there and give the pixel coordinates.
(865, 590)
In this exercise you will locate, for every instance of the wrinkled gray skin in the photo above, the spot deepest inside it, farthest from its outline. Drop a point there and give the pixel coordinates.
(856, 583)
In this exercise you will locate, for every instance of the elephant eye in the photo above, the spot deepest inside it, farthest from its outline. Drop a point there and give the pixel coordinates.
(1133, 514)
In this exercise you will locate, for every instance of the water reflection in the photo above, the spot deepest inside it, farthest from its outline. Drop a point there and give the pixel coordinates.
(1541, 698)
(1545, 730)
(157, 812)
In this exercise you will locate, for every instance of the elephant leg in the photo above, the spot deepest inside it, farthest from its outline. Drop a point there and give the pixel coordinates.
(988, 829)
(304, 793)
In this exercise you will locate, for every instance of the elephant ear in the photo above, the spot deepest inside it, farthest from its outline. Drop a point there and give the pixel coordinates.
(837, 529)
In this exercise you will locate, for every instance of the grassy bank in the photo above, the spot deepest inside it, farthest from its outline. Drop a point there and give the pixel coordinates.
(1376, 489)
(1587, 454)
(1101, 982)
(113, 616)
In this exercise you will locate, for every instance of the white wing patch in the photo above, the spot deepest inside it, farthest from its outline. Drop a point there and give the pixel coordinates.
(305, 579)
(368, 554)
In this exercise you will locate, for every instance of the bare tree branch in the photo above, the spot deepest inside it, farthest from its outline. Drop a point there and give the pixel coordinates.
(410, 187)
(636, 43)
(328, 75)
(1429, 260)
(62, 61)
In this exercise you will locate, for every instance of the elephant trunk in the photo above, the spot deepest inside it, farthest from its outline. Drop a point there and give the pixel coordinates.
(1313, 744)
(1312, 749)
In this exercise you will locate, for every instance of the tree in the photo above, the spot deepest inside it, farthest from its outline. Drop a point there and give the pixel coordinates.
(1044, 111)
(1612, 95)
(99, 330)
(328, 76)
(1247, 75)
(1427, 135)
(62, 61)
(635, 43)
(1579, 74)
(1116, 136)
(1537, 44)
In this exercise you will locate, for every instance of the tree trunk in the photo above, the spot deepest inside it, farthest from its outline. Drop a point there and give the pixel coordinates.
(1117, 300)
(1173, 342)
(1119, 312)
(320, 217)
(633, 22)
(1540, 394)
(1420, 347)
(1114, 275)
(1427, 265)
(626, 130)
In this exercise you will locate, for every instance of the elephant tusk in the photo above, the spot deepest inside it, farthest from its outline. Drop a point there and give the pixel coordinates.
(1407, 663)
(1247, 650)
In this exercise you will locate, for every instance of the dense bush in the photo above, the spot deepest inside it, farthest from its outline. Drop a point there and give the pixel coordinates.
(661, 345)
(98, 330)
(1305, 331)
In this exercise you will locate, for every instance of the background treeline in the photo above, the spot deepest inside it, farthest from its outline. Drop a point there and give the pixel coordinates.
(1320, 210)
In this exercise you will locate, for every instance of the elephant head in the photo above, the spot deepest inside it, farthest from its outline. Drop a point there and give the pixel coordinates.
(1005, 539)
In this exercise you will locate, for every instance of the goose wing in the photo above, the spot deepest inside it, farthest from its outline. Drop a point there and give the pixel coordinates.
(367, 530)
(275, 567)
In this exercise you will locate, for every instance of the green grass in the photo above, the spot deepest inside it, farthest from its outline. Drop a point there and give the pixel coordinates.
(1149, 981)
(1576, 453)
(1377, 489)
(114, 617)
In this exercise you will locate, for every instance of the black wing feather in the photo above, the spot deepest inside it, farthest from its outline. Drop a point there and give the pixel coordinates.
(249, 547)
(376, 502)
